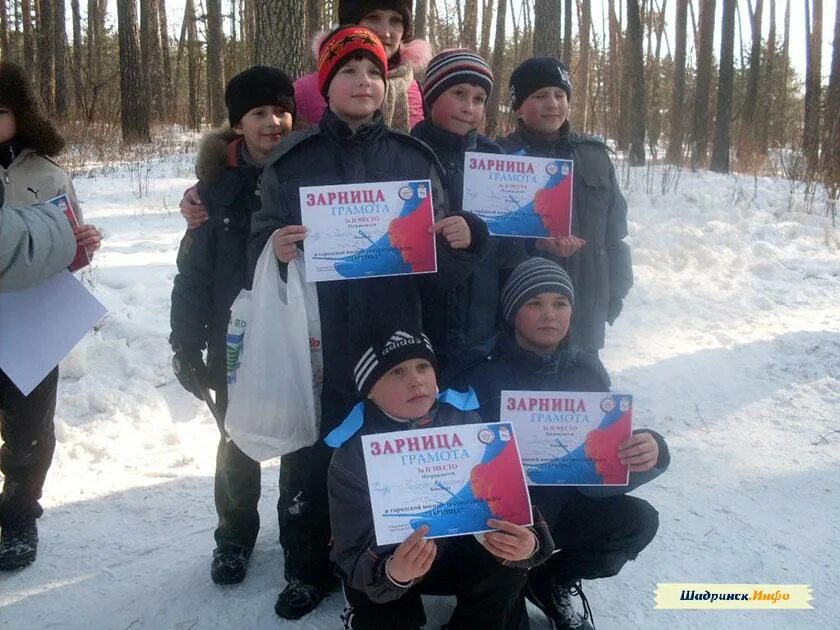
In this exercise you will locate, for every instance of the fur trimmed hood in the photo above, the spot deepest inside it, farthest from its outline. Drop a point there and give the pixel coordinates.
(416, 53)
(34, 129)
(216, 151)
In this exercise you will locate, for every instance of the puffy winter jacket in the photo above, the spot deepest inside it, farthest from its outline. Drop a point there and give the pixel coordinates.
(35, 243)
(602, 270)
(469, 313)
(500, 364)
(354, 548)
(212, 262)
(331, 153)
(31, 178)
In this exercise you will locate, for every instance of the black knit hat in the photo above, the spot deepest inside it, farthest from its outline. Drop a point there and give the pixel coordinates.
(536, 73)
(454, 66)
(387, 352)
(530, 278)
(258, 86)
(354, 11)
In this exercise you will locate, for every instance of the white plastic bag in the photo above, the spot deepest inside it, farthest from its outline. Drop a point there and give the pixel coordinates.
(274, 362)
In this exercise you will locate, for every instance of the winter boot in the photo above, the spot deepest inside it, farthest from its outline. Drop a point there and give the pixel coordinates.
(18, 546)
(298, 599)
(555, 600)
(229, 565)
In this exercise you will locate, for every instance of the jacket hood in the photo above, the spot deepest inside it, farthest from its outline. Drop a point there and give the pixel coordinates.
(214, 152)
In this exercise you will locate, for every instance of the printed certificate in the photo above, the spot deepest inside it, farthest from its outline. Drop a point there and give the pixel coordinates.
(368, 230)
(570, 438)
(517, 195)
(450, 478)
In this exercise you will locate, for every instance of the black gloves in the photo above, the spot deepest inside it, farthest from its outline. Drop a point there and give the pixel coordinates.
(191, 371)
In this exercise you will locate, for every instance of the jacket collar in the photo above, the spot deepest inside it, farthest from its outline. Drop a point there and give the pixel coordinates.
(9, 151)
(445, 140)
(535, 143)
(530, 362)
(335, 128)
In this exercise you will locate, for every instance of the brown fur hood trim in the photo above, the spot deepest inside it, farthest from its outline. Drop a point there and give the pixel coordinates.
(34, 129)
(213, 152)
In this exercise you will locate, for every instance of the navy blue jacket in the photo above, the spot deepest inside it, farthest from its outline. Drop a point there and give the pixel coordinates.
(602, 271)
(468, 313)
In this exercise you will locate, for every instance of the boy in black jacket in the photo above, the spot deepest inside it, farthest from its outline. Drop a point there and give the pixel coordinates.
(596, 529)
(455, 91)
(211, 272)
(382, 584)
(596, 257)
(350, 145)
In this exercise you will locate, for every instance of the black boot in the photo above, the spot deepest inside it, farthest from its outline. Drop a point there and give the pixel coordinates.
(298, 599)
(229, 565)
(18, 546)
(555, 600)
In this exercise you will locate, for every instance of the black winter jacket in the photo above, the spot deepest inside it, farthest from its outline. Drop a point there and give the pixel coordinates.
(331, 153)
(469, 313)
(212, 264)
(602, 271)
(354, 550)
(500, 364)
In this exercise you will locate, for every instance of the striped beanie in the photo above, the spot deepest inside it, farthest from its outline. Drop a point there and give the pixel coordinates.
(530, 278)
(343, 44)
(454, 66)
(388, 352)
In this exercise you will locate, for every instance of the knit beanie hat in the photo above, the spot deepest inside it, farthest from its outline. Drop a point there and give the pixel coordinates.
(530, 278)
(536, 73)
(258, 86)
(354, 11)
(454, 66)
(387, 352)
(342, 45)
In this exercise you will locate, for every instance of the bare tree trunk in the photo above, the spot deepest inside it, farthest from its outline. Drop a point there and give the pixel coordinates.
(78, 84)
(567, 33)
(28, 39)
(46, 54)
(493, 109)
(723, 119)
(168, 105)
(636, 63)
(279, 38)
(700, 129)
(468, 35)
(813, 45)
(60, 54)
(546, 29)
(193, 115)
(768, 88)
(5, 49)
(421, 19)
(653, 72)
(133, 96)
(215, 62)
(615, 83)
(151, 55)
(674, 154)
(486, 24)
(580, 110)
(747, 135)
(831, 138)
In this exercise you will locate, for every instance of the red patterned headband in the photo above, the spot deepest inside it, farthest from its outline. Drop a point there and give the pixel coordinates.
(345, 43)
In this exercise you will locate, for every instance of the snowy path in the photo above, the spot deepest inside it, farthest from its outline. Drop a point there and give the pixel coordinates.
(730, 341)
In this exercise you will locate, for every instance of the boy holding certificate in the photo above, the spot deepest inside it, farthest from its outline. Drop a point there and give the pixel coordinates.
(350, 145)
(595, 255)
(456, 88)
(382, 584)
(596, 528)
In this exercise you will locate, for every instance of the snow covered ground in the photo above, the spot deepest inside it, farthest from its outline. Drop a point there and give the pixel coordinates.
(730, 341)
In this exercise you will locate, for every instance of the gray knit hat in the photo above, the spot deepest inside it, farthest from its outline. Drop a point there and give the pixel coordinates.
(530, 278)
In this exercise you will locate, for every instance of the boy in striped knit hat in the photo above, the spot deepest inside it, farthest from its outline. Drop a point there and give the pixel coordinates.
(457, 85)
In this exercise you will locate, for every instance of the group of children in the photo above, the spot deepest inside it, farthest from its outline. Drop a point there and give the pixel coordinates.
(28, 176)
(497, 315)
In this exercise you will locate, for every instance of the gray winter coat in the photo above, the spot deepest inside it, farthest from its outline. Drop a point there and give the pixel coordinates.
(35, 243)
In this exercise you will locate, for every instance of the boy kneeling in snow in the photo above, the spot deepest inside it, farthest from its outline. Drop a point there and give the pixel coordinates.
(596, 528)
(383, 584)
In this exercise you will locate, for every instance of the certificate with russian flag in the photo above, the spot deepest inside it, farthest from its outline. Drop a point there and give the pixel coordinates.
(570, 438)
(451, 479)
(368, 230)
(519, 195)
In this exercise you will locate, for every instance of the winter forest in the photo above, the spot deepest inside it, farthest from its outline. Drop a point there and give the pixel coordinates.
(721, 119)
